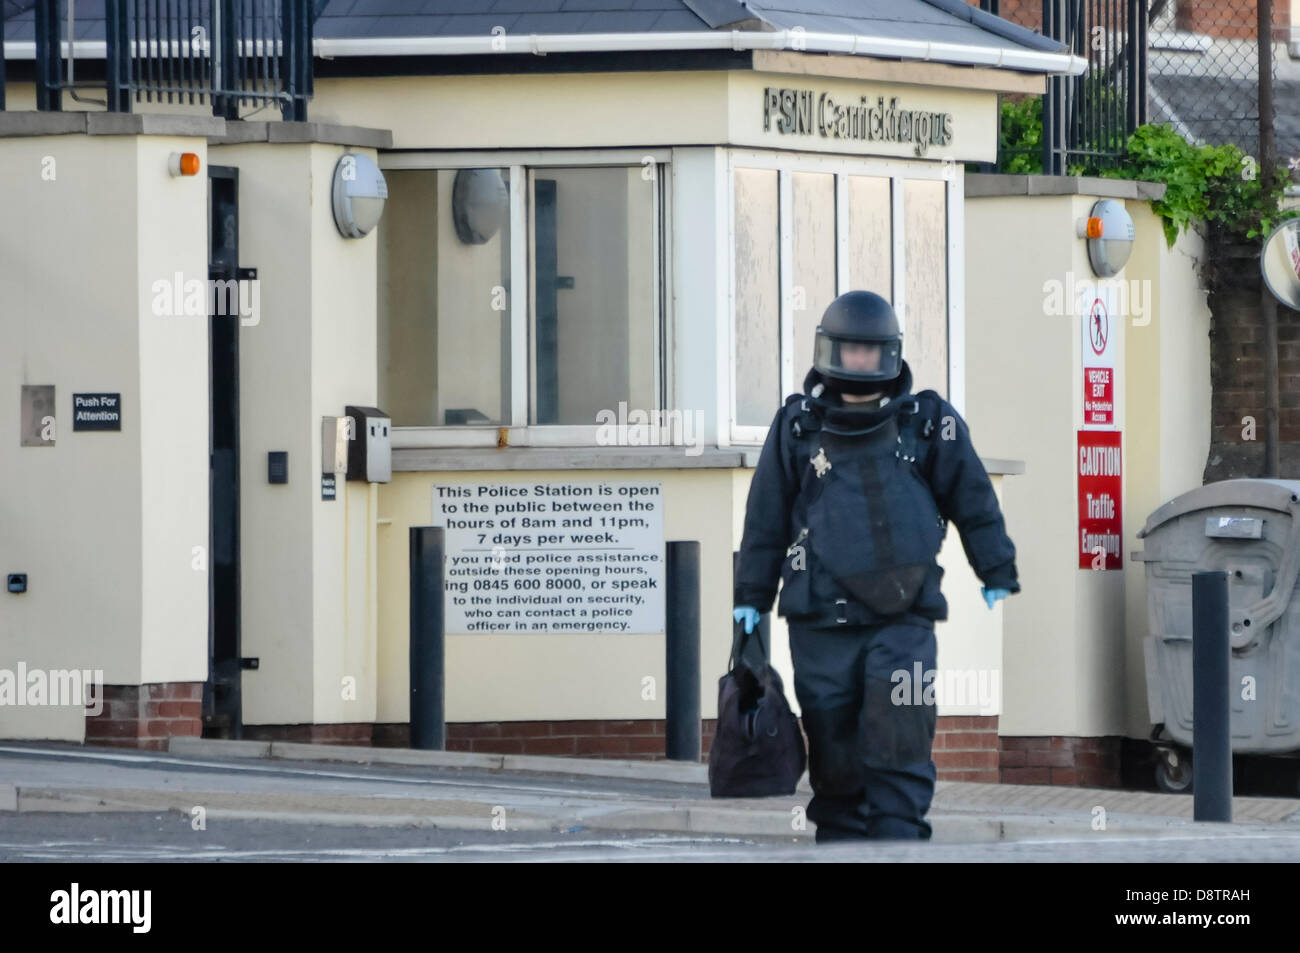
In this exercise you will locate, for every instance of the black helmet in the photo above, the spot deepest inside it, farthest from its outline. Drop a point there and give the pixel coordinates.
(858, 316)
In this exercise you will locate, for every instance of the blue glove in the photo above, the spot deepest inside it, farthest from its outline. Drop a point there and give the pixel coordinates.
(993, 595)
(748, 614)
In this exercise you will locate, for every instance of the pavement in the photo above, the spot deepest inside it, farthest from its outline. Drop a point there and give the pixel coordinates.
(486, 795)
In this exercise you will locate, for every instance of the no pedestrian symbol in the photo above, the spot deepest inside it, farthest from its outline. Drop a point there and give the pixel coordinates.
(1098, 360)
(1098, 327)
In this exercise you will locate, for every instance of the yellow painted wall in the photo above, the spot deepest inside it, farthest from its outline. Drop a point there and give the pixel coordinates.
(573, 110)
(307, 563)
(104, 523)
(1073, 636)
(495, 677)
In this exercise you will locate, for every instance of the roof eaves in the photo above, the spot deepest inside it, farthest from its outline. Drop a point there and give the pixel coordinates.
(732, 14)
(998, 26)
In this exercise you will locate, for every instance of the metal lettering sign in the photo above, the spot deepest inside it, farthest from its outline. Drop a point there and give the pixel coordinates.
(805, 112)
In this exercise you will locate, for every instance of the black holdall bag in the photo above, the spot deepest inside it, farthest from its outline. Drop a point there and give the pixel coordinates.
(758, 749)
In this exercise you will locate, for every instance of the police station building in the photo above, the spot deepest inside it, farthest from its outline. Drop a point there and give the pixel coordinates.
(539, 275)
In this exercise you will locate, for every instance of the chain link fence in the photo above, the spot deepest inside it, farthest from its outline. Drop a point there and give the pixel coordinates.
(1202, 68)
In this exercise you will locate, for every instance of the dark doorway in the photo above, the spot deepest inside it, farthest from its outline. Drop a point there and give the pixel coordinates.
(222, 716)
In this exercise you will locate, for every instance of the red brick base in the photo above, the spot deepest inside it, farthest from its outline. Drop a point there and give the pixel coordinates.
(965, 747)
(1082, 762)
(146, 716)
(356, 733)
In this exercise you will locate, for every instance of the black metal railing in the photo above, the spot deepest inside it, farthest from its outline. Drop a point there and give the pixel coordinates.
(2, 54)
(1088, 118)
(224, 53)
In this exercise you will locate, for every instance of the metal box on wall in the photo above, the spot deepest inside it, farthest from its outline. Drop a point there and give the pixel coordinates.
(370, 447)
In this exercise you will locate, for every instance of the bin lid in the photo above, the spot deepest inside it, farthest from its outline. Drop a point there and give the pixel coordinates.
(1245, 491)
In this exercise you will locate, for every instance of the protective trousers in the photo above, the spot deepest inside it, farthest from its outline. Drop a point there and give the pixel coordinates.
(870, 730)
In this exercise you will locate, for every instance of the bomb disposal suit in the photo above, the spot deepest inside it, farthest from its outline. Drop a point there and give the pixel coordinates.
(848, 508)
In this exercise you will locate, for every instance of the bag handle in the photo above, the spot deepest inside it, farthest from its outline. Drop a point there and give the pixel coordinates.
(740, 642)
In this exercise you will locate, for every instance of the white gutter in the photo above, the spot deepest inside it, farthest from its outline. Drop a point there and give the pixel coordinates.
(540, 44)
(798, 40)
(26, 50)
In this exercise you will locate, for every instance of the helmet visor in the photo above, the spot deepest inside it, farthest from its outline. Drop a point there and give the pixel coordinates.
(849, 359)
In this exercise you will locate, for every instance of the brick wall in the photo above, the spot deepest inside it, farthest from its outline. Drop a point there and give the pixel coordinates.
(635, 739)
(965, 748)
(1230, 19)
(1237, 378)
(1026, 13)
(1224, 19)
(146, 716)
(354, 733)
(1080, 762)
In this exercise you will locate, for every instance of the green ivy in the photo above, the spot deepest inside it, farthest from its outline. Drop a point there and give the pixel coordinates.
(1021, 137)
(1221, 185)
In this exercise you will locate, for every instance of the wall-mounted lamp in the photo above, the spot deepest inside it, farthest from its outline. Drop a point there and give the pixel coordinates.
(480, 205)
(1109, 232)
(359, 195)
(183, 163)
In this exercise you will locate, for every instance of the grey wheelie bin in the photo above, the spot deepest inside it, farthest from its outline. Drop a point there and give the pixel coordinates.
(1250, 529)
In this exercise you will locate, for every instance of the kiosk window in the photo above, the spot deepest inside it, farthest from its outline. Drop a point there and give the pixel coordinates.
(806, 229)
(925, 216)
(758, 297)
(813, 268)
(444, 309)
(590, 302)
(592, 247)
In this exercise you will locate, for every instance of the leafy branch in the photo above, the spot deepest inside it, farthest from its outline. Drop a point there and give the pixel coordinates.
(1221, 186)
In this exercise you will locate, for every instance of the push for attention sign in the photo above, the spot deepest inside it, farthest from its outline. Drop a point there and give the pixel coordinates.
(96, 411)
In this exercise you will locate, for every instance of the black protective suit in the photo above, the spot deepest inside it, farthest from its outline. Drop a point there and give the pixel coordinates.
(847, 509)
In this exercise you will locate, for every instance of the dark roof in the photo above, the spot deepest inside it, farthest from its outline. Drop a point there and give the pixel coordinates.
(946, 21)
(1221, 109)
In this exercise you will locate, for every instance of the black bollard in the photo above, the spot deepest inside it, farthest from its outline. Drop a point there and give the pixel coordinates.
(1211, 738)
(682, 631)
(428, 682)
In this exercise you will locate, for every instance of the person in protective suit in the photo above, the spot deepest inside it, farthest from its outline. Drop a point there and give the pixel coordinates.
(848, 508)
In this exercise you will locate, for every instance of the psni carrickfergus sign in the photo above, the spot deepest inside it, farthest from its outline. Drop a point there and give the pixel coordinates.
(804, 112)
(1101, 479)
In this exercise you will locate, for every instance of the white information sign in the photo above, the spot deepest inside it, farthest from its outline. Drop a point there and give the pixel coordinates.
(552, 557)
